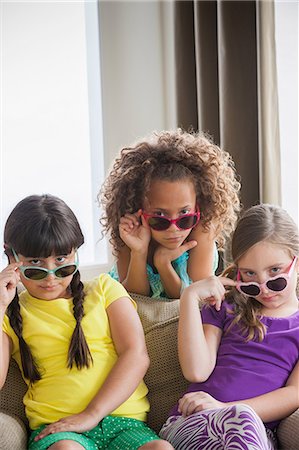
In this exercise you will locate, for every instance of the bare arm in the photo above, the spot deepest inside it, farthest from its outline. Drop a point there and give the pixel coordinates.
(132, 257)
(6, 348)
(9, 279)
(162, 261)
(275, 405)
(123, 379)
(129, 341)
(200, 263)
(132, 271)
(198, 345)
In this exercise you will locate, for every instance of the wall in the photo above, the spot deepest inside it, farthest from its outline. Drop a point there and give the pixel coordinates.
(137, 61)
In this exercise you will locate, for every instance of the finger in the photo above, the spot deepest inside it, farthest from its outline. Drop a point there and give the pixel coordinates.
(12, 266)
(10, 277)
(184, 403)
(218, 305)
(51, 429)
(45, 432)
(183, 409)
(126, 228)
(181, 405)
(144, 223)
(128, 221)
(188, 245)
(227, 281)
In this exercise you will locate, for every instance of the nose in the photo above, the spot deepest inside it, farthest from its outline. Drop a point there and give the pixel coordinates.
(50, 266)
(50, 276)
(173, 227)
(262, 281)
(264, 288)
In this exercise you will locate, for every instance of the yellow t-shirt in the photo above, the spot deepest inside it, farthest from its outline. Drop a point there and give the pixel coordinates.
(47, 329)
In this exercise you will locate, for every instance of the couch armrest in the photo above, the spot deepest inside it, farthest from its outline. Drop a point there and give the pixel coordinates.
(288, 432)
(13, 434)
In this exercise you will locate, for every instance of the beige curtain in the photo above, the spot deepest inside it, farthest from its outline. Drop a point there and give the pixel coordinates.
(226, 85)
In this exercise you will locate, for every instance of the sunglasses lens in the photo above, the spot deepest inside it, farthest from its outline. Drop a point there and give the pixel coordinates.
(35, 274)
(277, 285)
(158, 223)
(187, 222)
(250, 289)
(65, 271)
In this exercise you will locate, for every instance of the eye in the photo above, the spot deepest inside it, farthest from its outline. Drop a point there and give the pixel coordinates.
(275, 270)
(34, 262)
(185, 211)
(158, 213)
(249, 273)
(60, 259)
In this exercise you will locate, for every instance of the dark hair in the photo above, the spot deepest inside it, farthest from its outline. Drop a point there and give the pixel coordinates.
(172, 155)
(260, 223)
(40, 226)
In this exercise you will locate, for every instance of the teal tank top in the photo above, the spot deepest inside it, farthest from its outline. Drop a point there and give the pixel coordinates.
(179, 265)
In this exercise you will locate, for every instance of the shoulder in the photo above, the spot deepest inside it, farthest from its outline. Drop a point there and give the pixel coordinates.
(105, 288)
(218, 318)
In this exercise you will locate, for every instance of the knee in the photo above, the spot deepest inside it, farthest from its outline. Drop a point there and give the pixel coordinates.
(157, 445)
(66, 445)
(243, 409)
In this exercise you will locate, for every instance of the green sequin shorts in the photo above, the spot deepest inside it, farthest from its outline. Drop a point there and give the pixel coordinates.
(113, 433)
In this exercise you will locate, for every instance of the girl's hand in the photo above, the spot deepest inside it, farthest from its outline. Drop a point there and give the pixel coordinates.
(210, 290)
(9, 278)
(135, 235)
(197, 401)
(78, 422)
(163, 256)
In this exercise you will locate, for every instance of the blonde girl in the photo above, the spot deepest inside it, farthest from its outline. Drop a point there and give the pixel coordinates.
(166, 201)
(241, 354)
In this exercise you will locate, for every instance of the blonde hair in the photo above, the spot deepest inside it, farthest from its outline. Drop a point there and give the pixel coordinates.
(259, 223)
(172, 155)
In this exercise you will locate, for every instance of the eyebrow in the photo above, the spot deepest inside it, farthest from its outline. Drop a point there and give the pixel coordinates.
(41, 258)
(167, 210)
(267, 268)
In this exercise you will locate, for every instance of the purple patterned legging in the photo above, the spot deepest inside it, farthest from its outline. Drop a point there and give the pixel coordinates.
(231, 428)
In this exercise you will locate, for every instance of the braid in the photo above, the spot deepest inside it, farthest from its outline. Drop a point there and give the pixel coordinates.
(79, 352)
(29, 366)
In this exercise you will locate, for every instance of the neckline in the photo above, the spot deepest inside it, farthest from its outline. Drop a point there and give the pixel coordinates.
(281, 318)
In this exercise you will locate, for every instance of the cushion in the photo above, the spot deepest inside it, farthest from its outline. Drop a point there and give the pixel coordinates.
(13, 434)
(288, 432)
(164, 378)
(12, 393)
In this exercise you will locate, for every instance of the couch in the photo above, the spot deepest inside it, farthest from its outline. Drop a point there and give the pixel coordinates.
(164, 380)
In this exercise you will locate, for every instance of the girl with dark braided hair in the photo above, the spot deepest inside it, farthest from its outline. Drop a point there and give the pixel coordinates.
(167, 200)
(76, 344)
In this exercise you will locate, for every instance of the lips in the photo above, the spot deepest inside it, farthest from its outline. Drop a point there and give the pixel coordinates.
(49, 287)
(174, 239)
(268, 299)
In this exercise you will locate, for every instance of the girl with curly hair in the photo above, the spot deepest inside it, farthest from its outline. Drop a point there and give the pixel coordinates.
(166, 201)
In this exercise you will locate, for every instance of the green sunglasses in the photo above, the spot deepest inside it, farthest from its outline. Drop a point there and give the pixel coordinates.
(39, 273)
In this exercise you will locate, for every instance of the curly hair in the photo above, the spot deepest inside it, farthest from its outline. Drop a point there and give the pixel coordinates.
(172, 155)
(260, 223)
